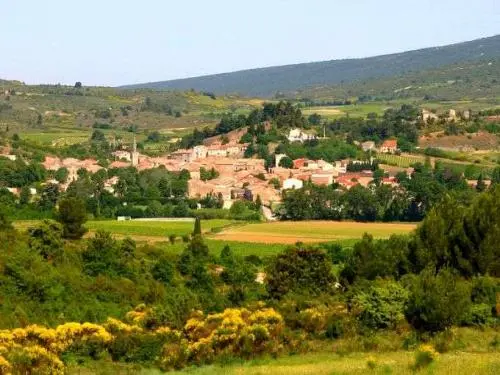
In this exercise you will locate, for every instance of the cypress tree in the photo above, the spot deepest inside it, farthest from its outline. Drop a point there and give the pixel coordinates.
(197, 227)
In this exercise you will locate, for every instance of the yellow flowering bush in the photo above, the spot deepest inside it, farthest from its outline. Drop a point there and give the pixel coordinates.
(234, 332)
(314, 320)
(424, 356)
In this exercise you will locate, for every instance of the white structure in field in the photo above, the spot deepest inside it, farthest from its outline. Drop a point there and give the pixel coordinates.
(297, 135)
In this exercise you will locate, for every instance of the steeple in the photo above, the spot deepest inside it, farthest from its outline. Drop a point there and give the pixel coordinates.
(134, 155)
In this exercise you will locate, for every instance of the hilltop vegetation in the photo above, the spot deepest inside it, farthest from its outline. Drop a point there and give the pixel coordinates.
(266, 82)
(55, 117)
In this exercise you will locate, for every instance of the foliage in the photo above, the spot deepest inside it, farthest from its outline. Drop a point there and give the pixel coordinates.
(72, 215)
(437, 301)
(301, 270)
(46, 239)
(424, 356)
(381, 306)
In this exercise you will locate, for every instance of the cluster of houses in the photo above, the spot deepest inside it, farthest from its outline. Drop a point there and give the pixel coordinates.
(236, 175)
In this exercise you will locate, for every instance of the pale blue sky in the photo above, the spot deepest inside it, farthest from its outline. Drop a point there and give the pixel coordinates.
(114, 42)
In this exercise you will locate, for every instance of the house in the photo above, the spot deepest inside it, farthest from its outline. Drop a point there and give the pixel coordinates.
(200, 152)
(325, 166)
(292, 183)
(299, 163)
(322, 179)
(182, 155)
(428, 116)
(341, 166)
(298, 135)
(368, 146)
(389, 146)
(217, 150)
(122, 155)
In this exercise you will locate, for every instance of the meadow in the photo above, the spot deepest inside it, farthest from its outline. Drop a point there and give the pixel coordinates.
(288, 232)
(354, 110)
(356, 363)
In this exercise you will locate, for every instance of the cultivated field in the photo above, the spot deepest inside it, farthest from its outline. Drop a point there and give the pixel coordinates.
(354, 110)
(289, 232)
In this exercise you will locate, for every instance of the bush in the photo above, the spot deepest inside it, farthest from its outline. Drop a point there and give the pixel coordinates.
(479, 315)
(424, 356)
(381, 306)
(436, 301)
(300, 270)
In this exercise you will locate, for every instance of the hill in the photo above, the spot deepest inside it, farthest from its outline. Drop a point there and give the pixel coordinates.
(266, 82)
(459, 81)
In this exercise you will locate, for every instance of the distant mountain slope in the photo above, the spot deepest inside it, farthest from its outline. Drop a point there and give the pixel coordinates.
(268, 81)
(458, 81)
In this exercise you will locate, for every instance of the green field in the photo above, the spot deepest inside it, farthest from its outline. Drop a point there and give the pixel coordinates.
(154, 228)
(403, 161)
(288, 232)
(354, 110)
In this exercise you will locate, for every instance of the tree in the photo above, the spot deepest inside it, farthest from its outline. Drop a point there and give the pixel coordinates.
(163, 271)
(436, 302)
(299, 270)
(46, 239)
(78, 85)
(25, 195)
(72, 215)
(5, 223)
(62, 174)
(286, 162)
(381, 306)
(197, 227)
(102, 255)
(480, 185)
(48, 197)
(98, 136)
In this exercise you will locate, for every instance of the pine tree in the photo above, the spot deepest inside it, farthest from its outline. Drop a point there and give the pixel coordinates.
(480, 186)
(197, 227)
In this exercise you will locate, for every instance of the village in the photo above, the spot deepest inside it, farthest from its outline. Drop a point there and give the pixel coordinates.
(235, 175)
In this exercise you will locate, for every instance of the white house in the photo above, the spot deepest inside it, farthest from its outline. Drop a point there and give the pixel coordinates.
(292, 183)
(200, 152)
(297, 135)
(368, 146)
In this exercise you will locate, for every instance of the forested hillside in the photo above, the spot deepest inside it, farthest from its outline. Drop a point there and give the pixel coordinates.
(269, 81)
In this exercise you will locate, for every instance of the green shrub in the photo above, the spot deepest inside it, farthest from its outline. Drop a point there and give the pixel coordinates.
(300, 270)
(381, 306)
(436, 302)
(479, 315)
(424, 356)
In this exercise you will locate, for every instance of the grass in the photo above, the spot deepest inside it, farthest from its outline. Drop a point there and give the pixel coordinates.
(154, 228)
(245, 238)
(354, 110)
(327, 363)
(287, 232)
(403, 161)
(158, 231)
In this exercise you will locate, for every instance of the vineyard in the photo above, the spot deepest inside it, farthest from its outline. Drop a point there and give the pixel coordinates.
(403, 161)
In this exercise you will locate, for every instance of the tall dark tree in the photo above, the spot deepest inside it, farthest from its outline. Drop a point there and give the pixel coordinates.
(72, 215)
(197, 227)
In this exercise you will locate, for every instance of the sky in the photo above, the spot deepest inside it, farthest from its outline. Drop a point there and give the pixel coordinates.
(117, 42)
